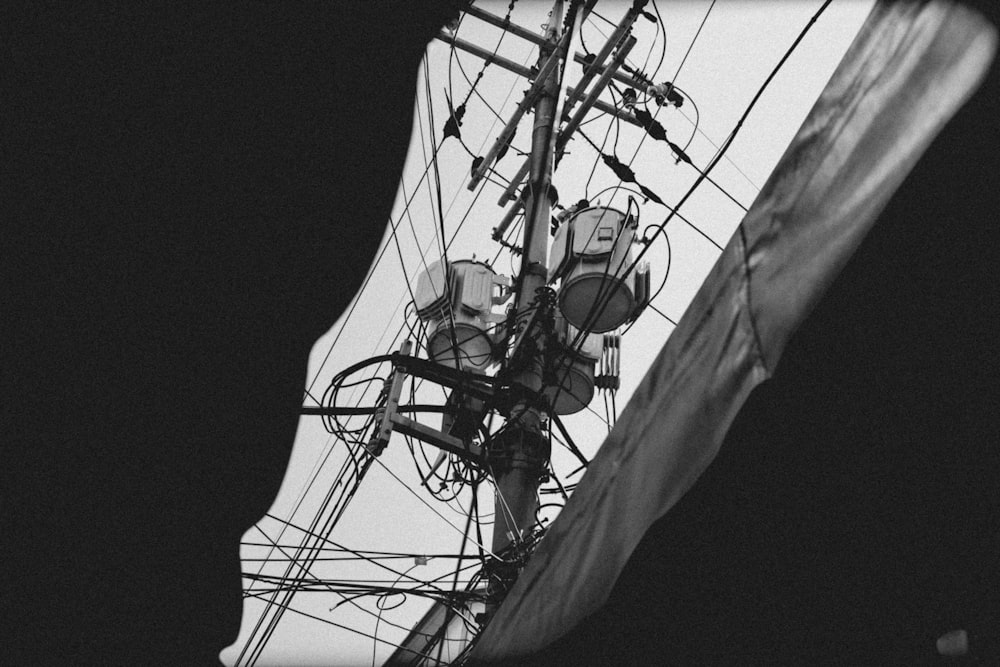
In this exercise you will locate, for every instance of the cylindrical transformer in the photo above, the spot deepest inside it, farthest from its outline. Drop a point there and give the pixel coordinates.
(455, 302)
(592, 256)
(571, 378)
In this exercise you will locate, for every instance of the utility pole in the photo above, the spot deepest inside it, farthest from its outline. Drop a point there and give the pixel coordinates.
(517, 455)
(522, 448)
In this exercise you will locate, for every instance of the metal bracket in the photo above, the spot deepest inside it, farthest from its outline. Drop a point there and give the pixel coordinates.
(434, 437)
(390, 420)
(394, 385)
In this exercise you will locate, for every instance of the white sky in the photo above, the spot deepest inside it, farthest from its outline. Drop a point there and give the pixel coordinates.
(738, 46)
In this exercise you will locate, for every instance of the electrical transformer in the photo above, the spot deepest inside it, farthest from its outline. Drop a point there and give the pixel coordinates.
(455, 303)
(592, 257)
(569, 381)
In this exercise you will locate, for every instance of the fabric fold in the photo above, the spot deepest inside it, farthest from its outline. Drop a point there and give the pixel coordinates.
(907, 72)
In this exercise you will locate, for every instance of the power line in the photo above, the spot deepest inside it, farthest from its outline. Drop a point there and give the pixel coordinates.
(662, 314)
(703, 175)
(739, 124)
(428, 505)
(695, 39)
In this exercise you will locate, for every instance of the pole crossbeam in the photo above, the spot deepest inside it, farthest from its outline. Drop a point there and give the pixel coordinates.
(619, 38)
(527, 73)
(574, 123)
(537, 39)
(508, 131)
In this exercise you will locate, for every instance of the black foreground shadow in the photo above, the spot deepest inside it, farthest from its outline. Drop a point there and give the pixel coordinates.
(191, 196)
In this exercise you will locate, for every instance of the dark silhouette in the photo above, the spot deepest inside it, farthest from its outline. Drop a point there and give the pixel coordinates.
(190, 197)
(853, 514)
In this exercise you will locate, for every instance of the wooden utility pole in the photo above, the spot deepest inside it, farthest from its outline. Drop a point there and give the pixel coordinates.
(517, 455)
(523, 445)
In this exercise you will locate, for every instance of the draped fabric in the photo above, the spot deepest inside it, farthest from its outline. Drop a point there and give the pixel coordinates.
(908, 71)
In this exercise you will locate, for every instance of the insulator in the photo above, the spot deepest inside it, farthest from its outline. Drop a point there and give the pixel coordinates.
(610, 363)
(616, 351)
